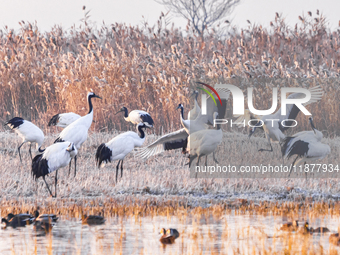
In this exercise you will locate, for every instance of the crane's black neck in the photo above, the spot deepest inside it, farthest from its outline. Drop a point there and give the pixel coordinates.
(90, 103)
(36, 214)
(312, 125)
(125, 112)
(41, 150)
(196, 96)
(141, 132)
(182, 112)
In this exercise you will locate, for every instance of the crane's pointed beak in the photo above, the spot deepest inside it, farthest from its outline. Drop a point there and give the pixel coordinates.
(97, 97)
(118, 112)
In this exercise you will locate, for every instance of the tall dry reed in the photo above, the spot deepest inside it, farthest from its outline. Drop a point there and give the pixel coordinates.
(151, 67)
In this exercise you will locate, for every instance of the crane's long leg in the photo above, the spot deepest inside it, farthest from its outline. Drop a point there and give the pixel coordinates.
(117, 170)
(75, 166)
(191, 158)
(19, 151)
(198, 162)
(30, 151)
(290, 170)
(121, 169)
(69, 168)
(215, 158)
(206, 160)
(47, 186)
(55, 183)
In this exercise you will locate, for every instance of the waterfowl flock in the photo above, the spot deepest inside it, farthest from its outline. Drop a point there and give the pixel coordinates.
(43, 224)
(304, 229)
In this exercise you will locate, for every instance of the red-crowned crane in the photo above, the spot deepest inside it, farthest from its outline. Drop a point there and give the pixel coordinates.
(174, 140)
(137, 116)
(77, 131)
(120, 146)
(204, 142)
(63, 119)
(306, 145)
(28, 132)
(55, 156)
(272, 123)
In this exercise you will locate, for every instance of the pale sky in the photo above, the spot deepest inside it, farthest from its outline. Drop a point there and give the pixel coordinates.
(69, 12)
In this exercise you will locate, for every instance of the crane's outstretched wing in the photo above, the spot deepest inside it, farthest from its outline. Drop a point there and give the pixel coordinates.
(172, 141)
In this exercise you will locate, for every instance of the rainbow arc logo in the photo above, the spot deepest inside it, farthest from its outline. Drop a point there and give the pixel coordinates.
(209, 93)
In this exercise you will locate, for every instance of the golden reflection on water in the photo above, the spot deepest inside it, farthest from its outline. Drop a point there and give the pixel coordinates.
(205, 234)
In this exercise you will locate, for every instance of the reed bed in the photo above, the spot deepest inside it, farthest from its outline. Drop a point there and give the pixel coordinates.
(151, 67)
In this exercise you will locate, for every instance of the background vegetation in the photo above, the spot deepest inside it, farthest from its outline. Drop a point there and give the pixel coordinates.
(151, 67)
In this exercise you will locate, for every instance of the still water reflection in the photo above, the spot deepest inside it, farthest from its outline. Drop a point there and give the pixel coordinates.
(231, 233)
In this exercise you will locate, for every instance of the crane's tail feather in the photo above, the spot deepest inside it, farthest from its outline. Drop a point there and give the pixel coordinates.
(15, 122)
(285, 145)
(39, 166)
(54, 120)
(103, 154)
(147, 120)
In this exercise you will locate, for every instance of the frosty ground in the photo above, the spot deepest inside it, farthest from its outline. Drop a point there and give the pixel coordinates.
(164, 177)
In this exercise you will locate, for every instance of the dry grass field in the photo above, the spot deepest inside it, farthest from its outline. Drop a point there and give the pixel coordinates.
(163, 175)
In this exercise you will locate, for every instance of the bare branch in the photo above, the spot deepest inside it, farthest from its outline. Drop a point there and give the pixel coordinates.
(201, 13)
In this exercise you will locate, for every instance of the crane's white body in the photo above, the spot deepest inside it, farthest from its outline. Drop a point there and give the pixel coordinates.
(58, 156)
(27, 131)
(64, 119)
(30, 133)
(137, 116)
(204, 142)
(77, 131)
(123, 144)
(120, 146)
(54, 157)
(306, 145)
